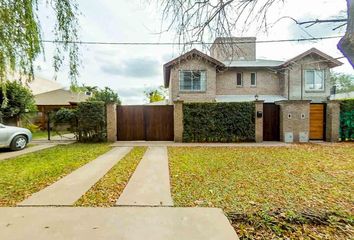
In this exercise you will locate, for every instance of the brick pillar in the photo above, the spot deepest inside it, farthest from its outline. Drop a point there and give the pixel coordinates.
(178, 120)
(259, 121)
(111, 111)
(332, 121)
(294, 120)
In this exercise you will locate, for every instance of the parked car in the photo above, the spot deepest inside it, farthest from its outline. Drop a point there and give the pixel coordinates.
(14, 138)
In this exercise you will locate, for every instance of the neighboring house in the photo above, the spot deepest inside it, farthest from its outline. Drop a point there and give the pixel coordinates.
(232, 73)
(54, 100)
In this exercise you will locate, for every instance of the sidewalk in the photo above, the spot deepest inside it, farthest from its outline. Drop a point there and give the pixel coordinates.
(69, 189)
(128, 223)
(150, 183)
(7, 155)
(175, 144)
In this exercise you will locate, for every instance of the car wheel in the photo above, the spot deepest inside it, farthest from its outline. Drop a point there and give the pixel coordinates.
(18, 143)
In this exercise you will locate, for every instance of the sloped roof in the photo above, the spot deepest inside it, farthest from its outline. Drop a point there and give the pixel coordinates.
(194, 52)
(330, 60)
(255, 63)
(60, 97)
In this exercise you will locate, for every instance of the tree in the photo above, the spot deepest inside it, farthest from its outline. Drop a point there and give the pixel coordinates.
(21, 39)
(155, 95)
(195, 20)
(106, 95)
(344, 82)
(19, 100)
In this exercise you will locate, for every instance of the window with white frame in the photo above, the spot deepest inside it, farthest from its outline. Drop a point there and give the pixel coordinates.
(314, 80)
(253, 79)
(239, 79)
(192, 80)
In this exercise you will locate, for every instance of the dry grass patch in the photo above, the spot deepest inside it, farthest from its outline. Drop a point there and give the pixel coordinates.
(277, 185)
(106, 191)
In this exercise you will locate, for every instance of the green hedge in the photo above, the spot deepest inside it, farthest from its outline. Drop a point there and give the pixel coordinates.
(347, 120)
(219, 122)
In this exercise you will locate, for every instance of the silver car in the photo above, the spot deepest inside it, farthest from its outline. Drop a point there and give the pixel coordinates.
(14, 137)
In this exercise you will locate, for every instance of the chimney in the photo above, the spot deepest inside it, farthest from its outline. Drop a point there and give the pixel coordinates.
(234, 49)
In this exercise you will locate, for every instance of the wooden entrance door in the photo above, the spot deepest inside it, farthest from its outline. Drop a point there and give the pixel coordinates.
(150, 123)
(317, 121)
(271, 127)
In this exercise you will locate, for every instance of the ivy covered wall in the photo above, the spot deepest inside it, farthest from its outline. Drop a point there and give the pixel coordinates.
(346, 132)
(219, 122)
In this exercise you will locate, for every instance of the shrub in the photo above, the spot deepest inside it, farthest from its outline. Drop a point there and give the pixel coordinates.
(65, 116)
(219, 122)
(91, 122)
(347, 120)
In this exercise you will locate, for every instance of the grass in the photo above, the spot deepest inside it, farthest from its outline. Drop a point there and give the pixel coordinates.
(106, 191)
(24, 175)
(271, 192)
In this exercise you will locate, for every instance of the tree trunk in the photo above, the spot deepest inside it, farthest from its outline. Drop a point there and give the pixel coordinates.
(346, 44)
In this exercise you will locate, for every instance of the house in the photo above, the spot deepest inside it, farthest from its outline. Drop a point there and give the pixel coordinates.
(234, 74)
(291, 96)
(54, 100)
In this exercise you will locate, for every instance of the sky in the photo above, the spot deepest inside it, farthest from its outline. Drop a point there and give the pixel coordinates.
(130, 70)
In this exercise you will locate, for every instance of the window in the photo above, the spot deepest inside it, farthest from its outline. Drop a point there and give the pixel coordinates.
(314, 80)
(239, 80)
(192, 80)
(253, 79)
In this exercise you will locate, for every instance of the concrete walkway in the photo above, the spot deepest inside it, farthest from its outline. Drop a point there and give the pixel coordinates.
(150, 183)
(175, 144)
(7, 155)
(133, 223)
(69, 189)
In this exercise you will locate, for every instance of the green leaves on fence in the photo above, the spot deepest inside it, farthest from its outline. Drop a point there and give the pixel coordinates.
(347, 120)
(219, 122)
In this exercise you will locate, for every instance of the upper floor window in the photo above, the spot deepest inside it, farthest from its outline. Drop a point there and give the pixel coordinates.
(239, 79)
(253, 79)
(192, 80)
(314, 80)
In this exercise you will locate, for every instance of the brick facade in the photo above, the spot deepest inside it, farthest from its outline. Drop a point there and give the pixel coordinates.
(332, 121)
(259, 121)
(294, 118)
(111, 111)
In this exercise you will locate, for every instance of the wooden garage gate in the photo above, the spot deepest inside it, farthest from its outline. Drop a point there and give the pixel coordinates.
(271, 127)
(317, 121)
(149, 123)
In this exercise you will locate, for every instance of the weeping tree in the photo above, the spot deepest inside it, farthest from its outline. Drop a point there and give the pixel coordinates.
(196, 20)
(21, 38)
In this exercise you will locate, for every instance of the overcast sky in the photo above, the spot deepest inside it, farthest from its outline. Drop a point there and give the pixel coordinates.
(131, 69)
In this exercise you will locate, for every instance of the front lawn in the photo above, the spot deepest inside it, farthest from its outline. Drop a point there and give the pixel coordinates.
(107, 190)
(24, 175)
(302, 191)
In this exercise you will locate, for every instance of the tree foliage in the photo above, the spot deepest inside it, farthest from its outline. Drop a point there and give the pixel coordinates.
(344, 82)
(21, 38)
(347, 120)
(155, 94)
(106, 95)
(18, 100)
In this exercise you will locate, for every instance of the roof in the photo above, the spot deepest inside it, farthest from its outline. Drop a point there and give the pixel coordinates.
(194, 52)
(330, 60)
(60, 97)
(256, 63)
(249, 98)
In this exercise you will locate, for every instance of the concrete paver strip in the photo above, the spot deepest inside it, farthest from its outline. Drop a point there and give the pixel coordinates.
(69, 189)
(150, 183)
(128, 223)
(7, 155)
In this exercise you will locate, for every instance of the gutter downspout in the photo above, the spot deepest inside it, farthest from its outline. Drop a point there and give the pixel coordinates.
(288, 84)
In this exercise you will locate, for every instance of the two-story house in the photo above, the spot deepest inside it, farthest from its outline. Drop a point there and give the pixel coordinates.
(293, 93)
(232, 73)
